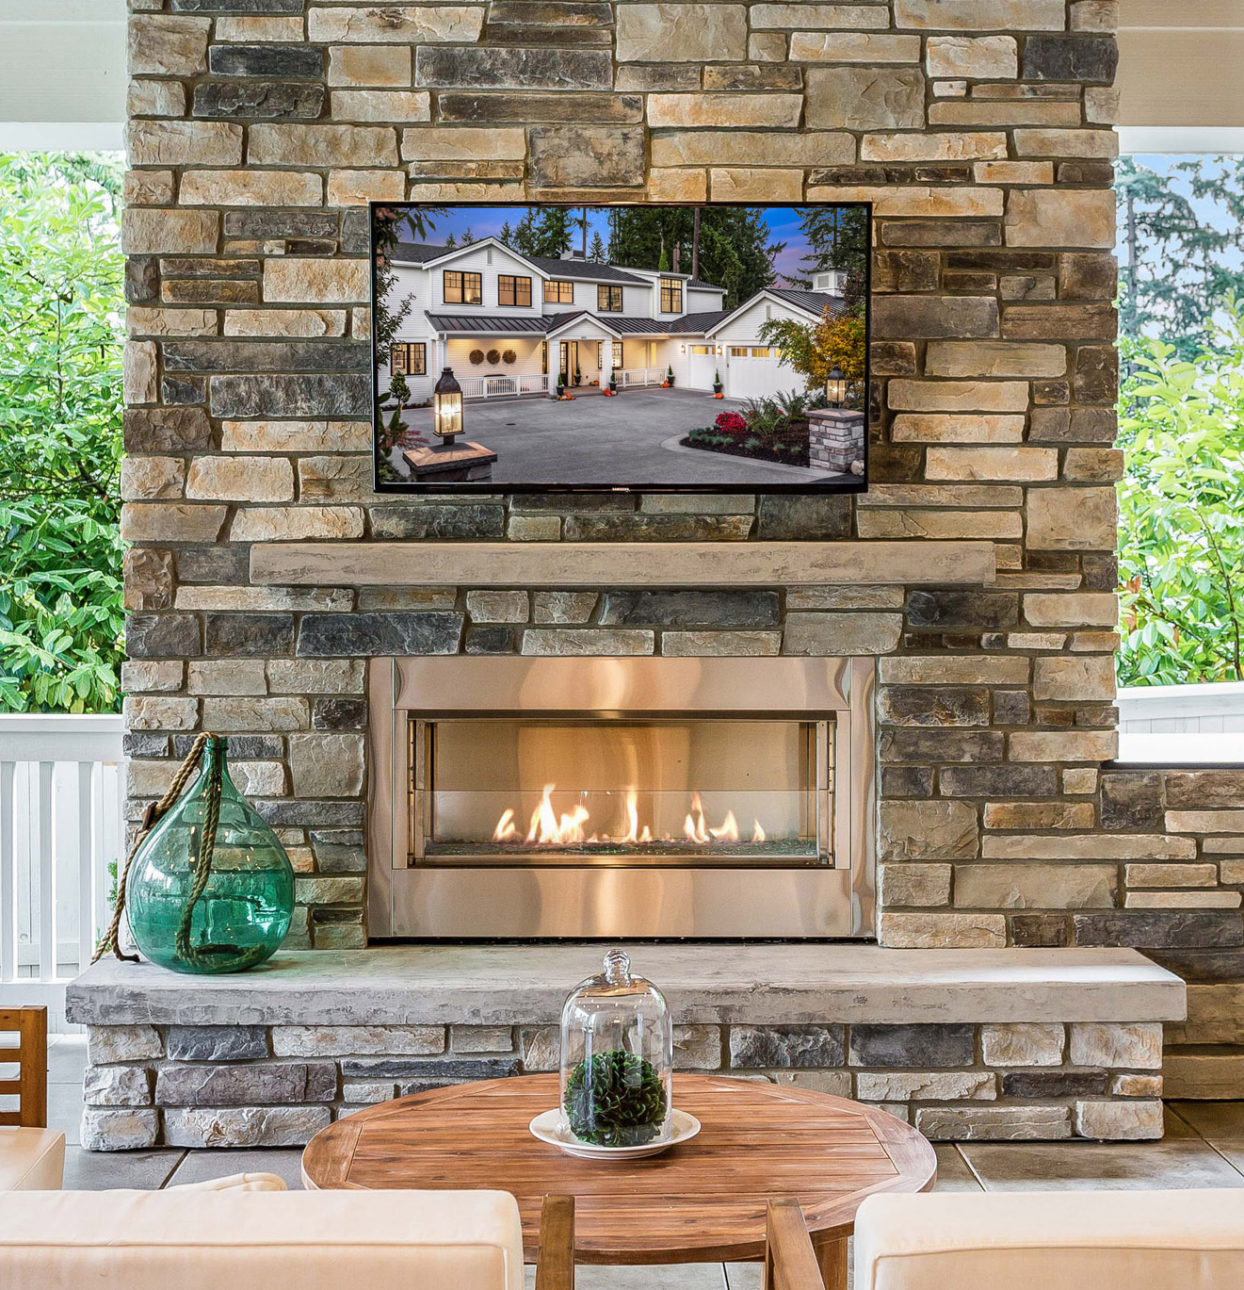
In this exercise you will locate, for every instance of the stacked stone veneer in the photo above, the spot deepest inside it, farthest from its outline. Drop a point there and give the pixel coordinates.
(237, 1086)
(979, 129)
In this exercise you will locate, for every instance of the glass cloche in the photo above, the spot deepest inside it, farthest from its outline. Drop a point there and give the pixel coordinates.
(617, 1054)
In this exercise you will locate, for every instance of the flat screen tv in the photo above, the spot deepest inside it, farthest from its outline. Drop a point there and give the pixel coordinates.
(644, 347)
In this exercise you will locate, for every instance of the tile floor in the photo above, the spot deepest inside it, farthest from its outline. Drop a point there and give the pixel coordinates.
(1203, 1147)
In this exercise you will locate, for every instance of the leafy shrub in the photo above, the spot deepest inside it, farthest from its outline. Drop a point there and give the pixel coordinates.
(615, 1099)
(730, 422)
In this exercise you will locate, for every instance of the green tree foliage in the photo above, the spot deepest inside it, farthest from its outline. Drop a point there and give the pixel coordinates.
(597, 254)
(736, 249)
(1181, 511)
(1179, 248)
(837, 238)
(544, 231)
(61, 329)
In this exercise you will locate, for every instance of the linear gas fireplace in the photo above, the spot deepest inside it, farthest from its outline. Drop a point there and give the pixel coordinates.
(618, 797)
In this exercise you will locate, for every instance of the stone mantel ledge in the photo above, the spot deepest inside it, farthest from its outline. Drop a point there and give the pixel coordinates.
(621, 564)
(749, 984)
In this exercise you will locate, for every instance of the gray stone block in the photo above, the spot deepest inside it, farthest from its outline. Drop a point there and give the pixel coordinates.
(247, 1084)
(249, 635)
(803, 519)
(433, 1071)
(306, 394)
(494, 69)
(690, 608)
(264, 224)
(258, 100)
(122, 1044)
(245, 1126)
(117, 1086)
(477, 520)
(962, 610)
(217, 1043)
(759, 1047)
(1160, 928)
(300, 61)
(359, 635)
(1054, 1083)
(119, 1130)
(1050, 57)
(919, 1047)
(1132, 800)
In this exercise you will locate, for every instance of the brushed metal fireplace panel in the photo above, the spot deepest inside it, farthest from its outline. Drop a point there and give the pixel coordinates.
(620, 899)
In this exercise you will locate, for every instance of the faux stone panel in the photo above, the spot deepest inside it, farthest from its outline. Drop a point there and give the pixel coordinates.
(216, 1043)
(912, 1046)
(246, 1084)
(786, 1046)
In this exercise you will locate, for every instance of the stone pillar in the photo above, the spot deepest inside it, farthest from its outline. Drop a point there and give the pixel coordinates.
(836, 440)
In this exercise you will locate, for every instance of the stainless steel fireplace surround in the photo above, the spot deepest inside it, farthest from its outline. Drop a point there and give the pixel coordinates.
(530, 798)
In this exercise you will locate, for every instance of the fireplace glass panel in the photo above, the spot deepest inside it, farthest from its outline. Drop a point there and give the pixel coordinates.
(669, 791)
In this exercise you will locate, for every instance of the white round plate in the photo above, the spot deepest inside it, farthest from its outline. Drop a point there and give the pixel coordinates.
(547, 1127)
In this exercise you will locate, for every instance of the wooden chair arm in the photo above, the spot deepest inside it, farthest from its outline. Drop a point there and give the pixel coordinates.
(790, 1260)
(555, 1258)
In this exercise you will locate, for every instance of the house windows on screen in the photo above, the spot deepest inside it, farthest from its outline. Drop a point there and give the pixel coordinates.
(463, 288)
(609, 300)
(408, 358)
(671, 296)
(617, 353)
(558, 292)
(513, 291)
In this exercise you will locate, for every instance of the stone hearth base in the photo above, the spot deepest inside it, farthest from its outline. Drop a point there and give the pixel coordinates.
(1034, 1044)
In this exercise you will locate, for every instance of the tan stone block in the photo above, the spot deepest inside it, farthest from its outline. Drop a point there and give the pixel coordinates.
(917, 428)
(844, 598)
(326, 765)
(381, 105)
(1101, 104)
(1095, 15)
(764, 47)
(1006, 112)
(311, 280)
(752, 148)
(1088, 846)
(1013, 172)
(148, 231)
(978, 358)
(258, 30)
(740, 185)
(149, 712)
(1093, 642)
(444, 193)
(1171, 875)
(1035, 886)
(677, 185)
(254, 715)
(376, 65)
(942, 931)
(693, 111)
(285, 322)
(1094, 465)
(1067, 143)
(1036, 640)
(464, 143)
(170, 522)
(839, 635)
(156, 98)
(1087, 679)
(948, 146)
(927, 830)
(322, 145)
(147, 479)
(1072, 519)
(1091, 745)
(1225, 847)
(1060, 217)
(1022, 1043)
(853, 47)
(1205, 821)
(954, 669)
(1136, 1085)
(1119, 1121)
(185, 143)
(139, 675)
(358, 187)
(957, 396)
(836, 17)
(498, 606)
(987, 58)
(864, 98)
(1080, 780)
(399, 24)
(237, 479)
(684, 32)
(579, 642)
(1071, 609)
(148, 188)
(533, 528)
(335, 478)
(226, 676)
(265, 599)
(736, 644)
(1009, 463)
(166, 45)
(1135, 1046)
(295, 436)
(938, 525)
(916, 201)
(140, 372)
(142, 320)
(285, 524)
(251, 188)
(914, 884)
(982, 15)
(1040, 815)
(315, 676)
(937, 494)
(926, 1086)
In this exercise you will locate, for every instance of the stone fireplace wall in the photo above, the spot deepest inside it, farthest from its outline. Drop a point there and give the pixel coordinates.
(981, 131)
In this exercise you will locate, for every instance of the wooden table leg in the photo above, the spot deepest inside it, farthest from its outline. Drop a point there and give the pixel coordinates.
(832, 1256)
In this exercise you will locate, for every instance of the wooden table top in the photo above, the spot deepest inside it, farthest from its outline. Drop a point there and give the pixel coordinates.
(702, 1201)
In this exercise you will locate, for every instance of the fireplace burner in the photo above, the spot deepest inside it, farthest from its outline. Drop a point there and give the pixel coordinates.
(527, 798)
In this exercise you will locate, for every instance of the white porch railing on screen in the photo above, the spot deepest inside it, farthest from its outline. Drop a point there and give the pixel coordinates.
(61, 824)
(639, 376)
(495, 387)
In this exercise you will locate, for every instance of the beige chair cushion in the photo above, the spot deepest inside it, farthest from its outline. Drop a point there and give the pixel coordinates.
(31, 1160)
(1108, 1240)
(235, 1182)
(292, 1240)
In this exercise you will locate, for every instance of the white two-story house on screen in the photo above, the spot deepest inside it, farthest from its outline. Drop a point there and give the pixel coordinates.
(509, 324)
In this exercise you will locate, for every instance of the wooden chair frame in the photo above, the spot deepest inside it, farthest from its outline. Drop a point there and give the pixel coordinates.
(31, 1056)
(555, 1257)
(791, 1260)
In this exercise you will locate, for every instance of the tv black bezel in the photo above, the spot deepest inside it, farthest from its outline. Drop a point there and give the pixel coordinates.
(850, 485)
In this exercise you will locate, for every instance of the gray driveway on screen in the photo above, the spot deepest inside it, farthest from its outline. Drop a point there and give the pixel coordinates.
(631, 439)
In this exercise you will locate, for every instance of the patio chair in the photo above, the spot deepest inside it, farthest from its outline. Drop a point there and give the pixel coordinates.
(32, 1158)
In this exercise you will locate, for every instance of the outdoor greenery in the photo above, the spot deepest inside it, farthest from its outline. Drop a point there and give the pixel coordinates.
(615, 1099)
(61, 305)
(1181, 501)
(767, 429)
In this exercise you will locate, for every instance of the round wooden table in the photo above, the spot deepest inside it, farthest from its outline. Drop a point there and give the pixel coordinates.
(702, 1202)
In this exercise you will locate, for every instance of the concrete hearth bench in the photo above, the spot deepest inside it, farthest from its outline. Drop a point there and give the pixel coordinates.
(981, 1044)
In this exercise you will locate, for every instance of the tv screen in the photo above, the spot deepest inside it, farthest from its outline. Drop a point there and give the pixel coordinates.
(548, 347)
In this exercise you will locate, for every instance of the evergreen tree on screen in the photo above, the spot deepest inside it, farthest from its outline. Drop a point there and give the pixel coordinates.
(525, 234)
(450, 242)
(597, 253)
(837, 238)
(505, 234)
(553, 232)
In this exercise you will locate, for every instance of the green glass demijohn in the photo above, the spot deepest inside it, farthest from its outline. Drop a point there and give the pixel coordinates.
(210, 889)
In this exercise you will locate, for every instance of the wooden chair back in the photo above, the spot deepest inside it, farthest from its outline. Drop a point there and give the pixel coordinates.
(31, 1057)
(790, 1259)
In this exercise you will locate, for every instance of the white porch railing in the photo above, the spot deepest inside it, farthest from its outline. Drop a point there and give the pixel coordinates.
(494, 387)
(1182, 723)
(639, 375)
(61, 825)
